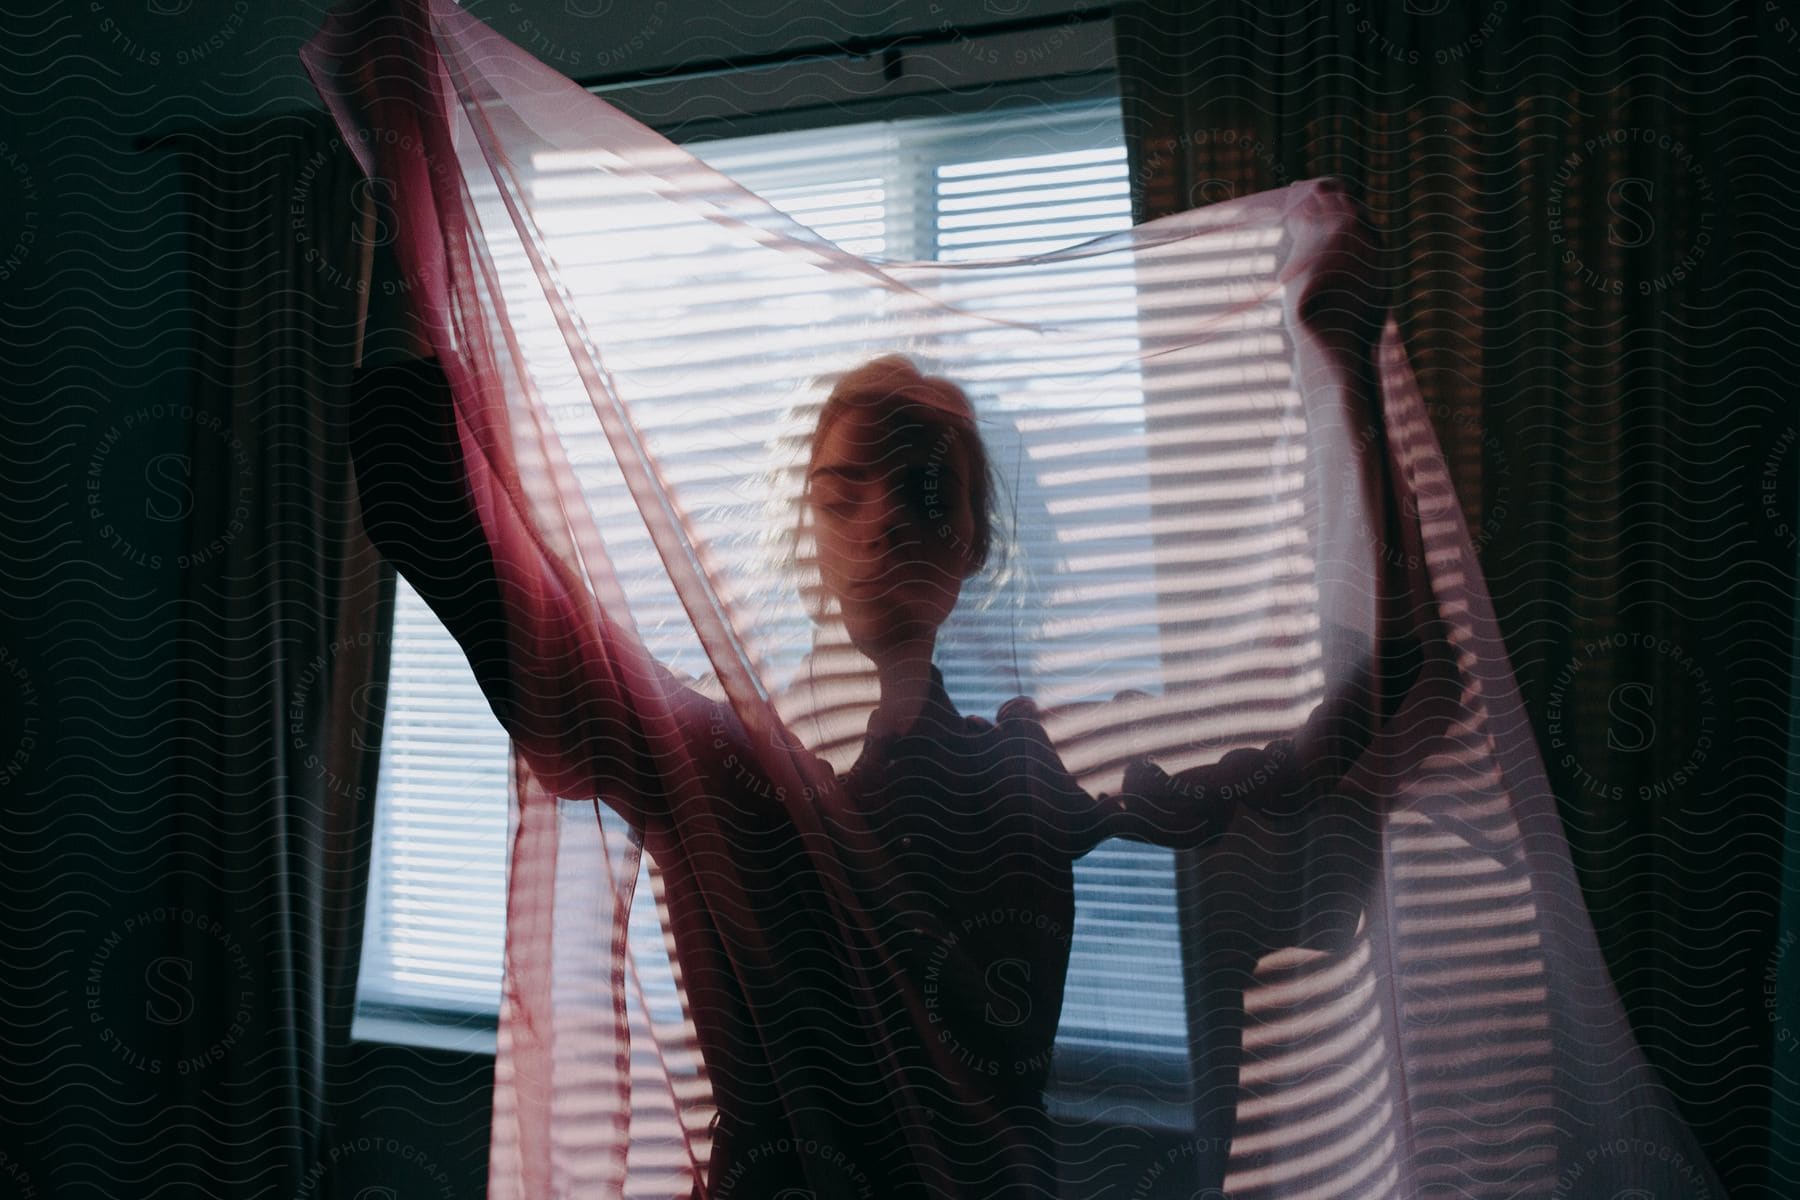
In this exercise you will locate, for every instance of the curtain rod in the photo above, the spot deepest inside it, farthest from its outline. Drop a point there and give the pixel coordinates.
(856, 47)
(886, 48)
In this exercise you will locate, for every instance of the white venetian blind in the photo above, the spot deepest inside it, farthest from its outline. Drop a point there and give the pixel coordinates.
(975, 187)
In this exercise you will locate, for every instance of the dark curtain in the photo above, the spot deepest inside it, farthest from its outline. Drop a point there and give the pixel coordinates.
(283, 647)
(1579, 209)
(1780, 992)
(1781, 985)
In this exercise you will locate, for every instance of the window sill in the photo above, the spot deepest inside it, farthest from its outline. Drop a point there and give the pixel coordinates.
(458, 1030)
(1143, 1093)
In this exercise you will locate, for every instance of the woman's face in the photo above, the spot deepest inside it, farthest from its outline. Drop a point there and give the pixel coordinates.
(891, 516)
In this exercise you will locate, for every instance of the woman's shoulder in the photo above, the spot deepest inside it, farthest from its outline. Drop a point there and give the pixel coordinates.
(1018, 727)
(1019, 708)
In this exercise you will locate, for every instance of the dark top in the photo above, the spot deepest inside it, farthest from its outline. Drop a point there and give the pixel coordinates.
(968, 878)
(972, 895)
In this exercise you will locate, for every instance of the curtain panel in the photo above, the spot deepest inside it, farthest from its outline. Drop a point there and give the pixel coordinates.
(283, 646)
(1570, 194)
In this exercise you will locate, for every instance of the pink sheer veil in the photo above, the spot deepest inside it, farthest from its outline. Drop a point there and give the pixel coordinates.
(1392, 990)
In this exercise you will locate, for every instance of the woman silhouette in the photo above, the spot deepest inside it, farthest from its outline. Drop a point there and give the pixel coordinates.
(975, 824)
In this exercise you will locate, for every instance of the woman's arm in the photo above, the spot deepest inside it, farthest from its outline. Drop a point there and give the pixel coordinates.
(1191, 808)
(570, 690)
(1285, 778)
(1182, 812)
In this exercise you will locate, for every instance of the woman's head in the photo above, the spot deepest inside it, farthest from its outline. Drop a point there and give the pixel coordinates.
(898, 494)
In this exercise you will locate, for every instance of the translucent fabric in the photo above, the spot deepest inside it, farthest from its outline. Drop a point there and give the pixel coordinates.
(1234, 583)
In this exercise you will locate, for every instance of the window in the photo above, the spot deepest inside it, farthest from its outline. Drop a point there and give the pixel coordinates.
(961, 187)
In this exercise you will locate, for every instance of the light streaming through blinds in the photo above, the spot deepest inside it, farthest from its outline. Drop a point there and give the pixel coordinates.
(952, 189)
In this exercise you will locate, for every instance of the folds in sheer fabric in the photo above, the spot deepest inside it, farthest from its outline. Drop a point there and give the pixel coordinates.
(1235, 615)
